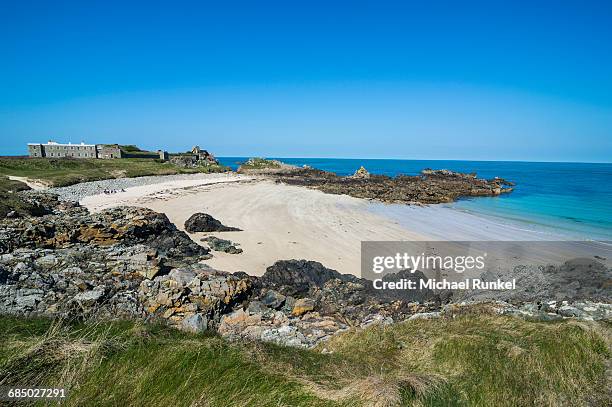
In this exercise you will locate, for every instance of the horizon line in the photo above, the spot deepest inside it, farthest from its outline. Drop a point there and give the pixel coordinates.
(415, 159)
(367, 158)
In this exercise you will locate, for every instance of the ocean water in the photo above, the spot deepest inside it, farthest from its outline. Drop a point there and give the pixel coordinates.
(573, 199)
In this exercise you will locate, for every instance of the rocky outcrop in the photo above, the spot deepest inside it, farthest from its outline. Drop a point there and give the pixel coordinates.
(431, 187)
(115, 282)
(256, 165)
(194, 159)
(298, 277)
(133, 263)
(203, 222)
(361, 173)
(73, 225)
(194, 297)
(19, 202)
(287, 282)
(120, 263)
(81, 281)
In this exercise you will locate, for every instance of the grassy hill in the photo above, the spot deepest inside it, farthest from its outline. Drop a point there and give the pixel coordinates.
(62, 171)
(473, 360)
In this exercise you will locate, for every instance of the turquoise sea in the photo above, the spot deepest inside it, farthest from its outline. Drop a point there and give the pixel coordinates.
(574, 199)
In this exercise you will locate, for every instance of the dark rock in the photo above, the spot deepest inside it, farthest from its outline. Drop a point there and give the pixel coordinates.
(432, 186)
(273, 299)
(203, 222)
(4, 275)
(257, 307)
(341, 294)
(221, 245)
(297, 277)
(121, 225)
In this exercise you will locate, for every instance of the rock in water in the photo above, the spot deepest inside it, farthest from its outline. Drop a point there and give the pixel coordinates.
(203, 222)
(432, 186)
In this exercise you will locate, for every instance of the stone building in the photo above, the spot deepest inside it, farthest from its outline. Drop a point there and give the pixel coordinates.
(108, 151)
(194, 158)
(203, 155)
(52, 149)
(58, 150)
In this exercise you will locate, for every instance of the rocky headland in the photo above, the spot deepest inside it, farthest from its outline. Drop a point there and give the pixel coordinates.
(430, 187)
(127, 262)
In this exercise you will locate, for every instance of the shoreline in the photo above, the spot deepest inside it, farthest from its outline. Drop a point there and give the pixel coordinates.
(280, 221)
(475, 224)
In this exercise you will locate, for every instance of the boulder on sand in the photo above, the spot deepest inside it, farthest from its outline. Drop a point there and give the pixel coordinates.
(203, 222)
(221, 245)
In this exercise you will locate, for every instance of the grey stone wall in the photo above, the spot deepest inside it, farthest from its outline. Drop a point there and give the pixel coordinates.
(62, 150)
(108, 151)
(35, 150)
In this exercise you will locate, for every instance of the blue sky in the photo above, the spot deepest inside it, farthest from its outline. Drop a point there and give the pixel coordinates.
(488, 80)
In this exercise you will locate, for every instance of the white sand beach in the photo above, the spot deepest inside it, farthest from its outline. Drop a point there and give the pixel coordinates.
(288, 222)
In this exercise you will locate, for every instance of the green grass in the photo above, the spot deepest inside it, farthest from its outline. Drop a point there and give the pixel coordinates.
(130, 148)
(132, 364)
(471, 360)
(10, 200)
(61, 172)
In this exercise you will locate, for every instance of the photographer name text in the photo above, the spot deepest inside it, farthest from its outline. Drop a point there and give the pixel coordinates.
(444, 284)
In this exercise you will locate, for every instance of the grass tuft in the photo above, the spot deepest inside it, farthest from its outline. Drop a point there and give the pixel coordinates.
(473, 359)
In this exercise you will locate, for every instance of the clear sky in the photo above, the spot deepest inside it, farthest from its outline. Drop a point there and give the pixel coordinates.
(491, 80)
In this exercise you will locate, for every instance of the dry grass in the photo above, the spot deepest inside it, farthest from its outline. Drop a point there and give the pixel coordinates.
(474, 359)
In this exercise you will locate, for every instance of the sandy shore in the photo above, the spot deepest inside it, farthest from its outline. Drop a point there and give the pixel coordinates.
(288, 222)
(278, 221)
